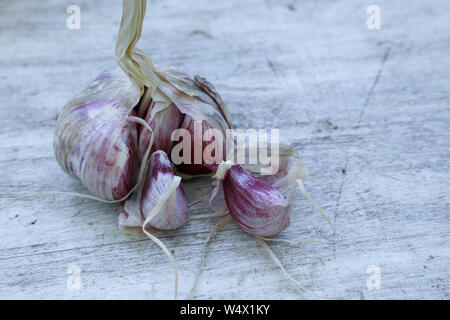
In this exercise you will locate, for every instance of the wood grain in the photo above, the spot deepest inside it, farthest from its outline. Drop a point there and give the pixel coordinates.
(367, 109)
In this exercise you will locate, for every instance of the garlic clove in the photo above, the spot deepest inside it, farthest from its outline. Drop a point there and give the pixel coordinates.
(93, 140)
(195, 168)
(163, 123)
(164, 203)
(198, 101)
(257, 207)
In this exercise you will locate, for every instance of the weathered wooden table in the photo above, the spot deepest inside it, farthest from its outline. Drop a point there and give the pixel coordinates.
(368, 110)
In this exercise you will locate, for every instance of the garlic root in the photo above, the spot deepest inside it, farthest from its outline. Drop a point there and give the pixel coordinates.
(223, 222)
(287, 275)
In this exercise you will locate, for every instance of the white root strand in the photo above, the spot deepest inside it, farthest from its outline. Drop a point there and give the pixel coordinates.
(308, 197)
(295, 241)
(224, 221)
(172, 188)
(287, 275)
(219, 213)
(167, 252)
(193, 203)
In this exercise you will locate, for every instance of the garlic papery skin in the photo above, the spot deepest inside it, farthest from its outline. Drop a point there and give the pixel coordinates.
(257, 207)
(94, 141)
(164, 204)
(290, 169)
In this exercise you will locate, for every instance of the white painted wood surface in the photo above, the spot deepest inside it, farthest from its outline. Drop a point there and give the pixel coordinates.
(368, 110)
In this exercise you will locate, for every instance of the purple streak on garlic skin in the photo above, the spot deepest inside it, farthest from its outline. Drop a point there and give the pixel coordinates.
(160, 175)
(167, 120)
(257, 207)
(95, 143)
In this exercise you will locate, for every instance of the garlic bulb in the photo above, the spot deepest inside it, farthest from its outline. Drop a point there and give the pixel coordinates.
(161, 202)
(96, 142)
(93, 140)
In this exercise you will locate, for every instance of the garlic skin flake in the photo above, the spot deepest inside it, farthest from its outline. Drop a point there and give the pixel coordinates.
(94, 142)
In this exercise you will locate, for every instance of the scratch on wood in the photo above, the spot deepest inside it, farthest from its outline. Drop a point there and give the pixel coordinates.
(374, 84)
(201, 32)
(341, 186)
(271, 66)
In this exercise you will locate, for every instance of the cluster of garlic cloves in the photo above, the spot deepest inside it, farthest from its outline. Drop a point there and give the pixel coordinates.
(119, 138)
(105, 135)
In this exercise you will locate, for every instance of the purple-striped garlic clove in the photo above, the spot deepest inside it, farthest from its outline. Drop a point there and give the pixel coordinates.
(163, 123)
(257, 207)
(198, 166)
(163, 204)
(203, 109)
(93, 140)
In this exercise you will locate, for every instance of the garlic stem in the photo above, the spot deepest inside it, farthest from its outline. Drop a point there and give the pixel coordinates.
(133, 62)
